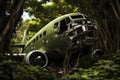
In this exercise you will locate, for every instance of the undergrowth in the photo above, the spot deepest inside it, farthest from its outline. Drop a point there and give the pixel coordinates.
(107, 68)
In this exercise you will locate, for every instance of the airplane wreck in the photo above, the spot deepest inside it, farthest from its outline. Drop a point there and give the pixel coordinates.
(75, 31)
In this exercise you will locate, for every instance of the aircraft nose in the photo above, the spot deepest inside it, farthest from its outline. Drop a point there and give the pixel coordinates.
(86, 33)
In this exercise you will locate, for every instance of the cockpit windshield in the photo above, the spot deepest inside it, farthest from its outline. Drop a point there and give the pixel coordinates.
(77, 16)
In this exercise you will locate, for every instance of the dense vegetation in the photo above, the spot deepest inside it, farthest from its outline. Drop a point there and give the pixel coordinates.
(11, 70)
(107, 68)
(13, 28)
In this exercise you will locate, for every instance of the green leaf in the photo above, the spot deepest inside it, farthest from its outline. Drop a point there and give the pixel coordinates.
(61, 1)
(96, 72)
(85, 76)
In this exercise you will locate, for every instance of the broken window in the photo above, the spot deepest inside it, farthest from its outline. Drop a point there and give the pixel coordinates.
(63, 26)
(77, 16)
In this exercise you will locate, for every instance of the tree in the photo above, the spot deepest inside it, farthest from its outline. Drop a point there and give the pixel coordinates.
(47, 10)
(11, 12)
(43, 12)
(26, 30)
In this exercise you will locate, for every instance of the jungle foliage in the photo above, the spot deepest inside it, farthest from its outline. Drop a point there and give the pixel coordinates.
(12, 27)
(12, 70)
(107, 68)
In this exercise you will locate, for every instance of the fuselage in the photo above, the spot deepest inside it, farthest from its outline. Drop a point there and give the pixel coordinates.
(52, 40)
(46, 36)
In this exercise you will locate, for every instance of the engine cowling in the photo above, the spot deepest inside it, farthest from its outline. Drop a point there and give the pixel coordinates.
(36, 58)
(97, 53)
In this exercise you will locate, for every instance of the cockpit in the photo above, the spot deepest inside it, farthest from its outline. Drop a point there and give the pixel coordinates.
(72, 21)
(76, 27)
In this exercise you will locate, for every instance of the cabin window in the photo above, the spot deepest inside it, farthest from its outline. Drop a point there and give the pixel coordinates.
(37, 38)
(63, 26)
(77, 16)
(34, 40)
(56, 25)
(44, 33)
(40, 35)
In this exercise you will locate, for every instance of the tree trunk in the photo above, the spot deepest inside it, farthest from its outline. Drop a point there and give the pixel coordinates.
(10, 25)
